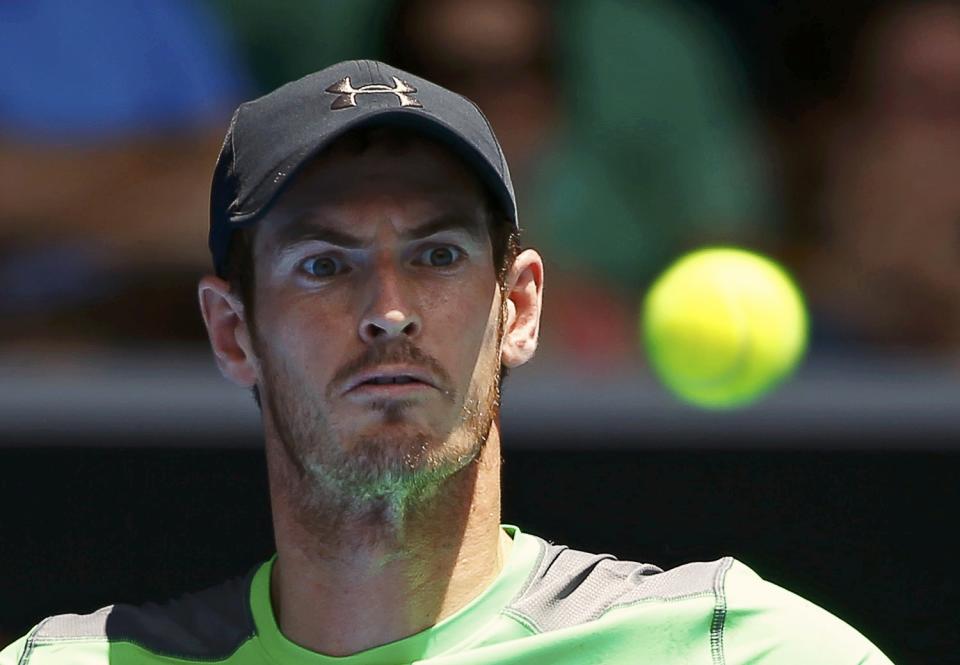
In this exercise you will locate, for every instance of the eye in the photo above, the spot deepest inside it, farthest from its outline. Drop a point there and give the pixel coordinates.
(442, 256)
(322, 266)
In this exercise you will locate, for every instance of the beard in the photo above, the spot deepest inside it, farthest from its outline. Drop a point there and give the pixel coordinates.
(374, 478)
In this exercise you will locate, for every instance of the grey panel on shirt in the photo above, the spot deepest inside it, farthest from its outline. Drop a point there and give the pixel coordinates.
(570, 587)
(209, 624)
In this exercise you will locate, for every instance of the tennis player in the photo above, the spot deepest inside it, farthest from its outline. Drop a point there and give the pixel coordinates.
(369, 288)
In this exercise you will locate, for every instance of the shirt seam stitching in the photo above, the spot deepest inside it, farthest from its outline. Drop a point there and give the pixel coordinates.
(535, 574)
(523, 619)
(651, 599)
(718, 622)
(47, 641)
(530, 623)
(31, 642)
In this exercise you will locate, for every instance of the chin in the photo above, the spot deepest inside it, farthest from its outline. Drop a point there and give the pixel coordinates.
(398, 410)
(393, 432)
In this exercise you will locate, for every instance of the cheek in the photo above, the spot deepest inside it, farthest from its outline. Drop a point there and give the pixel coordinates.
(305, 337)
(466, 330)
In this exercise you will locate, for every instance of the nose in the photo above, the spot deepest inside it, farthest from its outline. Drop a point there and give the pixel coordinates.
(389, 325)
(390, 315)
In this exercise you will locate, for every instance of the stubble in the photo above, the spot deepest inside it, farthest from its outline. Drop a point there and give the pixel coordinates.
(373, 481)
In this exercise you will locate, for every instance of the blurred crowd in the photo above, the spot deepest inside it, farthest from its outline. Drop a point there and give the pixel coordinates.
(824, 134)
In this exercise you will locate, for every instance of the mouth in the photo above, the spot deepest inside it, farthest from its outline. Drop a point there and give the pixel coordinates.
(388, 381)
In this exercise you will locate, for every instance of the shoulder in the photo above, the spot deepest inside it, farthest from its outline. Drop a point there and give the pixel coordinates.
(207, 625)
(738, 616)
(763, 622)
(569, 587)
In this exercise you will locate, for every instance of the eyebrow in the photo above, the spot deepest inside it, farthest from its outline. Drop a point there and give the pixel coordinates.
(302, 229)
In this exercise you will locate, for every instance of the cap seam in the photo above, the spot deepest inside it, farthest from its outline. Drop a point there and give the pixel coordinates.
(496, 142)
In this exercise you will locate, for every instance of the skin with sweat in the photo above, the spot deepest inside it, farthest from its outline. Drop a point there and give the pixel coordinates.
(377, 262)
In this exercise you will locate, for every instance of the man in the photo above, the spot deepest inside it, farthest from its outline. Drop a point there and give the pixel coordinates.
(370, 290)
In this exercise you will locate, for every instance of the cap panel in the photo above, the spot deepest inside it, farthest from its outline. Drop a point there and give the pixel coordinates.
(262, 196)
(281, 129)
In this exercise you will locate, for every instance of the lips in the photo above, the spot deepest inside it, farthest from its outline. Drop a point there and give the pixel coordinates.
(386, 376)
(383, 380)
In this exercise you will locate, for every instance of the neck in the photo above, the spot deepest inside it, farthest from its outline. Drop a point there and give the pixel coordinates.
(364, 588)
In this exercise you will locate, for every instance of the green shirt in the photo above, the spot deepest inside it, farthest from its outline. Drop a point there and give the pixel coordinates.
(549, 604)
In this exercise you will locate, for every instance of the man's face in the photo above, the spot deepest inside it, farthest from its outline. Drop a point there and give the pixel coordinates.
(377, 320)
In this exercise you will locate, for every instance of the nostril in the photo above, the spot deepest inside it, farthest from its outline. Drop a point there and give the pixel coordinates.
(387, 326)
(373, 330)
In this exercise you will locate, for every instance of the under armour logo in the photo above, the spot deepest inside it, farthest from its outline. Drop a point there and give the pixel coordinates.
(347, 94)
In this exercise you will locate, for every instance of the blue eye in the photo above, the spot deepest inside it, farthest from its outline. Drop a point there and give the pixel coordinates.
(322, 266)
(443, 256)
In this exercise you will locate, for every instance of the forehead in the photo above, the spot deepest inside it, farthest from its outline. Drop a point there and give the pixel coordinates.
(372, 173)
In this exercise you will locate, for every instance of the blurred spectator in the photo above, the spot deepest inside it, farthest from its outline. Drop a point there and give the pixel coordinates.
(872, 154)
(625, 125)
(283, 40)
(627, 131)
(111, 115)
(499, 53)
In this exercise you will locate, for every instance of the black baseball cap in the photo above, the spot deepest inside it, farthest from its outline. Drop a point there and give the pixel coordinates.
(271, 138)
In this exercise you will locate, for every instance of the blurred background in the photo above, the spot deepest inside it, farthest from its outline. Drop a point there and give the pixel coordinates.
(825, 134)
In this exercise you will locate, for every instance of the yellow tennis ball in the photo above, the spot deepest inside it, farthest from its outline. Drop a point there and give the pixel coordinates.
(723, 326)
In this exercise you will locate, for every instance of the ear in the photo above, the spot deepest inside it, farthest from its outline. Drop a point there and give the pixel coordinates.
(224, 316)
(524, 292)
